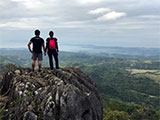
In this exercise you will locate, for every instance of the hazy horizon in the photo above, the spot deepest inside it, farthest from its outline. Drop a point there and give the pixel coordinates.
(134, 23)
(80, 45)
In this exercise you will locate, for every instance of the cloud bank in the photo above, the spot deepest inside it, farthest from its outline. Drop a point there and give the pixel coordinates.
(84, 20)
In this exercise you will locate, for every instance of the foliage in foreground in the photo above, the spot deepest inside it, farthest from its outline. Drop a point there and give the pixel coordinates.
(116, 110)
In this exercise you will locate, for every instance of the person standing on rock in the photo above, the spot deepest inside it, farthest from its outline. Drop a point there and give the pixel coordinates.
(52, 48)
(36, 51)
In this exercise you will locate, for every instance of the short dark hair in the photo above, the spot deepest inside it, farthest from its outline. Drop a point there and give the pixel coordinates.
(51, 33)
(37, 32)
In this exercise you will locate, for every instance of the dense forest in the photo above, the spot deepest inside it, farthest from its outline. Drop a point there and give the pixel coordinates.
(129, 86)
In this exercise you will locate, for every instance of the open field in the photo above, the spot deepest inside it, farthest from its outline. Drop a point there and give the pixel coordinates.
(140, 71)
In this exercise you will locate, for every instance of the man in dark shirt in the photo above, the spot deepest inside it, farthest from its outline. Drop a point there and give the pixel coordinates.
(52, 51)
(36, 51)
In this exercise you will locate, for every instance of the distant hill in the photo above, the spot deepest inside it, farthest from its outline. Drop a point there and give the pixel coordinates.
(120, 52)
(132, 80)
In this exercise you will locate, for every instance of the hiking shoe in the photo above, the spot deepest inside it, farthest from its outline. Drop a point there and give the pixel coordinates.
(58, 69)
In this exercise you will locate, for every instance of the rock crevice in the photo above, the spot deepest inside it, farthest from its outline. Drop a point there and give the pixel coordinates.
(68, 94)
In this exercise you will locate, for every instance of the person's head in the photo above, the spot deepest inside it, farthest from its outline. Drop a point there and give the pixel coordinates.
(37, 32)
(51, 33)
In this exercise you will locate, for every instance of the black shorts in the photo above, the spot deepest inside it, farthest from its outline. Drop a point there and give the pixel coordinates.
(37, 55)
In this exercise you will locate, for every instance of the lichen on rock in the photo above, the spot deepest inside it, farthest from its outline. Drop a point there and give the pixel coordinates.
(68, 94)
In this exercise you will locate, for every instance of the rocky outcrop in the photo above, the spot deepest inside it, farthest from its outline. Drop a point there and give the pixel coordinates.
(68, 94)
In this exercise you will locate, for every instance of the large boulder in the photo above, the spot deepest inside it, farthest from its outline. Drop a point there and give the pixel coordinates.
(68, 94)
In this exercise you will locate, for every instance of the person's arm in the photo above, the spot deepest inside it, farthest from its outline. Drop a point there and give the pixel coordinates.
(56, 42)
(47, 44)
(29, 46)
(44, 49)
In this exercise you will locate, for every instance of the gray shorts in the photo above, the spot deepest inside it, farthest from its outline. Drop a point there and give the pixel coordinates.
(37, 55)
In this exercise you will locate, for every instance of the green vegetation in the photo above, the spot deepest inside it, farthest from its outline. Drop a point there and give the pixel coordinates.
(1, 113)
(129, 86)
(11, 116)
(116, 110)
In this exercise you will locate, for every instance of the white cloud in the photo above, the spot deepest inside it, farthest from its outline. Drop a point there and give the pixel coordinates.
(3, 25)
(27, 3)
(99, 10)
(111, 16)
(30, 4)
(150, 16)
(88, 1)
(22, 23)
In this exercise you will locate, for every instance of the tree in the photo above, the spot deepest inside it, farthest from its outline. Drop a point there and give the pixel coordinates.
(116, 115)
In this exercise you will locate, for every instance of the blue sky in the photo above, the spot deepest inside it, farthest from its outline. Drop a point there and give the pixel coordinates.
(124, 23)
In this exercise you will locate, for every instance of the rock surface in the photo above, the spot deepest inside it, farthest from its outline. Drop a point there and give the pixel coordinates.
(68, 94)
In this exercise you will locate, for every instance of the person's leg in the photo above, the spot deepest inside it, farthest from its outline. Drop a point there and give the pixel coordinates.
(34, 57)
(33, 64)
(50, 60)
(39, 65)
(56, 60)
(40, 58)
